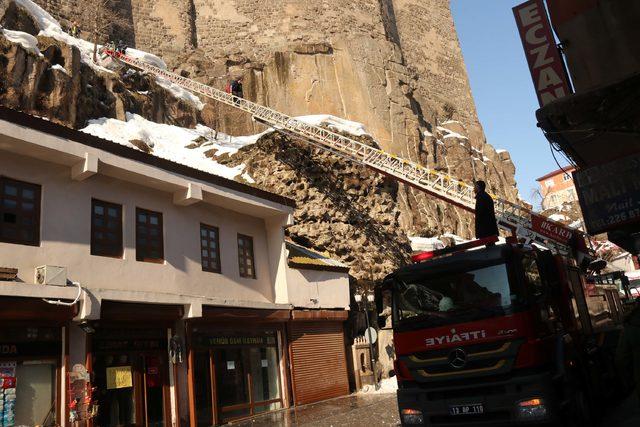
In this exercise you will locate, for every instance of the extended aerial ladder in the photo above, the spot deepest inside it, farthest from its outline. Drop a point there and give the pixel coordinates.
(520, 220)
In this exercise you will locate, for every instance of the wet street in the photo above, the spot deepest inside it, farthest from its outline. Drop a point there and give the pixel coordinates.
(380, 410)
(355, 410)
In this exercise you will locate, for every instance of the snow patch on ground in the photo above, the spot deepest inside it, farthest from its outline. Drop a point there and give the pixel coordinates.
(26, 40)
(335, 123)
(386, 386)
(170, 142)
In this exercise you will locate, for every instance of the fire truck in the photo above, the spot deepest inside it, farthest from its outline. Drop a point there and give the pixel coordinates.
(500, 334)
(489, 334)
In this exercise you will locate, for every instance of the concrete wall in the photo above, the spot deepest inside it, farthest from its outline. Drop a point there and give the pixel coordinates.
(318, 289)
(65, 238)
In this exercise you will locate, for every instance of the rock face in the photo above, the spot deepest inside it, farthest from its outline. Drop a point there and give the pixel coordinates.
(394, 65)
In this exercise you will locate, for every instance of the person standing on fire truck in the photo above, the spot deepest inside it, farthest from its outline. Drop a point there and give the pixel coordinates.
(486, 224)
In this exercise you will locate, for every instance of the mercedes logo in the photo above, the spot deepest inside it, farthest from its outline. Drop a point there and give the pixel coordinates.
(457, 358)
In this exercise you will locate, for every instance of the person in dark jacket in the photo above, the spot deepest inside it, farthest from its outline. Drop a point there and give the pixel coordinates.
(236, 88)
(486, 224)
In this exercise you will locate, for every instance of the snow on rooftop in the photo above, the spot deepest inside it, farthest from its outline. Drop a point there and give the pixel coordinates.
(26, 40)
(50, 27)
(335, 123)
(170, 142)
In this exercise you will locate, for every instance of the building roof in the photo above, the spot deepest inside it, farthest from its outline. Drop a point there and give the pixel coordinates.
(556, 172)
(306, 259)
(46, 126)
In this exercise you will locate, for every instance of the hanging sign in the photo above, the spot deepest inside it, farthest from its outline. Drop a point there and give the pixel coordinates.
(545, 63)
(119, 377)
(609, 194)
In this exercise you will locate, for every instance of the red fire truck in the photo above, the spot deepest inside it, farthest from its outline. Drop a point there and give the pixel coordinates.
(498, 334)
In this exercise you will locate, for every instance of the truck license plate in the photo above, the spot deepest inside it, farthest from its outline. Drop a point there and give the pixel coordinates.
(473, 409)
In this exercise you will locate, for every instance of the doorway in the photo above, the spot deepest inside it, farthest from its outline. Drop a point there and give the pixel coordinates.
(237, 380)
(131, 376)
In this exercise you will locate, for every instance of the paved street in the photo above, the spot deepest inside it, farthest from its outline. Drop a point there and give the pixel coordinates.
(354, 410)
(380, 410)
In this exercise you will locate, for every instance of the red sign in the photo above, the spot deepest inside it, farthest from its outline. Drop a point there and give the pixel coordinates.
(545, 63)
(550, 229)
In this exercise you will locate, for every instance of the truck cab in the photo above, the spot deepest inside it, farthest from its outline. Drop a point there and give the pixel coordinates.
(487, 336)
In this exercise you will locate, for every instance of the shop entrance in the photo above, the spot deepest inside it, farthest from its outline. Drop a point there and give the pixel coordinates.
(131, 378)
(236, 377)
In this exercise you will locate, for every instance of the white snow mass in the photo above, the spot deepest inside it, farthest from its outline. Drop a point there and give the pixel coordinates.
(170, 142)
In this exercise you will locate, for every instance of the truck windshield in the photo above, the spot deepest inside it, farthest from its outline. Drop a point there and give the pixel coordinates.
(455, 297)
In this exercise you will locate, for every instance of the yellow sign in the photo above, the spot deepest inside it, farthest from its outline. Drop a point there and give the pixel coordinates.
(119, 377)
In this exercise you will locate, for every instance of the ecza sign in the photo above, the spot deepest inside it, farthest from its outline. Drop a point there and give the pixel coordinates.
(545, 63)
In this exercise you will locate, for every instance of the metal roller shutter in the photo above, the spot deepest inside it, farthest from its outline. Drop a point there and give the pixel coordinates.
(319, 364)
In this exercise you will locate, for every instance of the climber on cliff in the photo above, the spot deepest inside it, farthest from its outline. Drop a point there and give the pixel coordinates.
(236, 87)
(486, 224)
(121, 47)
(75, 29)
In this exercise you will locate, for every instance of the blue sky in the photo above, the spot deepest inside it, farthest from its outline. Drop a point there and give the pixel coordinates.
(502, 87)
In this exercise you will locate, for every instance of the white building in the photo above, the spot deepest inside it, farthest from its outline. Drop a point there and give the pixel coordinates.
(172, 287)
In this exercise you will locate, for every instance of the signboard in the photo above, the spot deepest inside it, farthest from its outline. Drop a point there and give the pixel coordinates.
(26, 349)
(119, 377)
(551, 229)
(546, 66)
(223, 341)
(609, 194)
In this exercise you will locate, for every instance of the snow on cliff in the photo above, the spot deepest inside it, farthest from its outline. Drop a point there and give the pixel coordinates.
(50, 27)
(172, 142)
(335, 123)
(26, 40)
(194, 147)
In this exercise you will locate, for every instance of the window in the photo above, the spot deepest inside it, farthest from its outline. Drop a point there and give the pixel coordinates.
(566, 177)
(210, 248)
(549, 183)
(149, 243)
(106, 229)
(245, 256)
(19, 212)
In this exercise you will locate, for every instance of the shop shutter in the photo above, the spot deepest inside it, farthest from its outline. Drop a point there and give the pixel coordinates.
(319, 369)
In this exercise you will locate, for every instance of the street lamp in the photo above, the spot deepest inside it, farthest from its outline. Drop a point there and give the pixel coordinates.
(363, 301)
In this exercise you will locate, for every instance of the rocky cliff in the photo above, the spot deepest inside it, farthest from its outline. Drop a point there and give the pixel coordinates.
(394, 65)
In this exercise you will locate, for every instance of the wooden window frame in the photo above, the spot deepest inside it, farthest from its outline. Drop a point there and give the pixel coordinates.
(21, 213)
(242, 257)
(142, 251)
(118, 247)
(208, 229)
